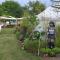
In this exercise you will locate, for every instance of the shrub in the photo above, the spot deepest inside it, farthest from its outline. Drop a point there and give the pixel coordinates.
(31, 45)
(50, 52)
(56, 50)
(45, 50)
(58, 37)
(17, 34)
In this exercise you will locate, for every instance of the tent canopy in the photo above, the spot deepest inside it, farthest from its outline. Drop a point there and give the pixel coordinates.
(49, 14)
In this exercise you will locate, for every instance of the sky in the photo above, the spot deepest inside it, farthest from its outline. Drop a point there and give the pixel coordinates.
(23, 2)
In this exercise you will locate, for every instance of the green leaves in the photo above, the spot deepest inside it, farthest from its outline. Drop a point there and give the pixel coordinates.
(12, 8)
(1, 10)
(37, 7)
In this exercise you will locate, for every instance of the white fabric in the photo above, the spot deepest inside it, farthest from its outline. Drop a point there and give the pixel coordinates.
(51, 30)
(0, 27)
(39, 28)
(49, 14)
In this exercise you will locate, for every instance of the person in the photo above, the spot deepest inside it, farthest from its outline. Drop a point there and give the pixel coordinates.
(51, 35)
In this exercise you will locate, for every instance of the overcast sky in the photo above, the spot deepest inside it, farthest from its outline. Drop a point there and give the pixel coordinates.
(23, 2)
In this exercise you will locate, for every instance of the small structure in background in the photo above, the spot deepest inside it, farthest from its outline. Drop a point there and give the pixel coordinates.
(10, 21)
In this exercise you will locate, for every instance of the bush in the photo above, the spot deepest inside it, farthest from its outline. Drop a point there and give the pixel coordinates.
(50, 52)
(17, 34)
(56, 50)
(45, 50)
(31, 45)
(58, 37)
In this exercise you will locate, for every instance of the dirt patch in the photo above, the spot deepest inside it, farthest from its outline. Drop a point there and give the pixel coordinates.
(51, 58)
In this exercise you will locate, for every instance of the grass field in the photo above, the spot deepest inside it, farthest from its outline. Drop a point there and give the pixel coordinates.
(9, 49)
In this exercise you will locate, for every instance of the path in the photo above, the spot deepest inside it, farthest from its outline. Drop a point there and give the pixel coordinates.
(51, 58)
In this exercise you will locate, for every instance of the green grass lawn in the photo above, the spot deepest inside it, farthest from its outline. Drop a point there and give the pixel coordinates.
(9, 49)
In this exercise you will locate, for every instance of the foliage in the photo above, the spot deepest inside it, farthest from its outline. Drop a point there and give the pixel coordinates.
(17, 34)
(31, 46)
(29, 22)
(27, 25)
(58, 37)
(50, 52)
(45, 50)
(36, 7)
(12, 8)
(1, 10)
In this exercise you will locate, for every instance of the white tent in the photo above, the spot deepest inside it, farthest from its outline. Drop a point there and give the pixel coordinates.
(49, 14)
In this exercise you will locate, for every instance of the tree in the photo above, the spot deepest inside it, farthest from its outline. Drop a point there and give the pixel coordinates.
(27, 25)
(36, 7)
(12, 8)
(1, 10)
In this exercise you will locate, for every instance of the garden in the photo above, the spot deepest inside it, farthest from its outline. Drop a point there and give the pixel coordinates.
(9, 48)
(32, 41)
(24, 41)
